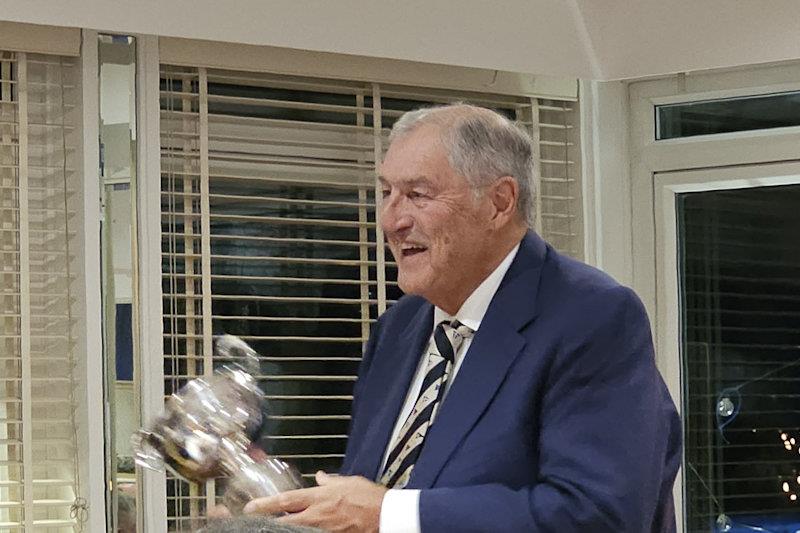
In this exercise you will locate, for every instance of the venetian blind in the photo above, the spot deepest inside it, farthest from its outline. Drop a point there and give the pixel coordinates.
(38, 456)
(269, 233)
(740, 260)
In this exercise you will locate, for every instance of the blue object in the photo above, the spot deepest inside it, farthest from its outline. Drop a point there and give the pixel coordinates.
(124, 342)
(761, 523)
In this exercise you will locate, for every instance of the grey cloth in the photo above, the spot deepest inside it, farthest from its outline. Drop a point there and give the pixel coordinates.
(253, 524)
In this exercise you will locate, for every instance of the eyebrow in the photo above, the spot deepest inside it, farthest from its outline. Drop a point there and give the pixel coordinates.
(413, 182)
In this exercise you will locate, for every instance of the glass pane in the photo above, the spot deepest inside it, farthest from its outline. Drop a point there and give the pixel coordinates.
(740, 270)
(118, 179)
(728, 115)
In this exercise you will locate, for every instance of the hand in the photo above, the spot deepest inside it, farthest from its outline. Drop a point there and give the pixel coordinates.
(339, 503)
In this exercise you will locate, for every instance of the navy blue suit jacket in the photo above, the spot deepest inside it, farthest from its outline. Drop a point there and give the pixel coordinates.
(558, 420)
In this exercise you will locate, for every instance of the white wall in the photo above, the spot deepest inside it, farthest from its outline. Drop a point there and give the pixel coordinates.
(534, 36)
(590, 39)
(606, 181)
(636, 38)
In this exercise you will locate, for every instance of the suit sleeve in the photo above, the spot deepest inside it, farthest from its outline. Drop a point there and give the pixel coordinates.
(601, 443)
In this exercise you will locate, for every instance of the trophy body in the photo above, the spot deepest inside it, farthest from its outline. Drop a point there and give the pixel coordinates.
(206, 429)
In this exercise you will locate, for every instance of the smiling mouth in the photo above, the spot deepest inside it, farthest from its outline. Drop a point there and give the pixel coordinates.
(412, 250)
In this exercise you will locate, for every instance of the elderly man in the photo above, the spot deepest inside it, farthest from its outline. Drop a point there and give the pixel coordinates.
(513, 388)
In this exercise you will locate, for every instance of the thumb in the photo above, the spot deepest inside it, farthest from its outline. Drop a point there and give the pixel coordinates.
(323, 478)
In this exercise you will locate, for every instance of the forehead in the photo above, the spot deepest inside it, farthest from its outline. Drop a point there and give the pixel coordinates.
(418, 155)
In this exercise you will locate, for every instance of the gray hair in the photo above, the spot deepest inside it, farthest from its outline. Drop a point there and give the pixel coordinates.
(481, 145)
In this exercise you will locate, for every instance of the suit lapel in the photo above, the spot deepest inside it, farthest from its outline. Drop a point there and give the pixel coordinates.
(494, 348)
(388, 388)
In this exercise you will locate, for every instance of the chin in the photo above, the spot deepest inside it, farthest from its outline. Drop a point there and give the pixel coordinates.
(410, 286)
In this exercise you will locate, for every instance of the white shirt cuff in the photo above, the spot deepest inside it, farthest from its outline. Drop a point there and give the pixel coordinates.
(400, 511)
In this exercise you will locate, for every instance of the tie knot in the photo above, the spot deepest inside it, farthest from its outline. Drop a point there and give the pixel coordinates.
(449, 335)
(460, 330)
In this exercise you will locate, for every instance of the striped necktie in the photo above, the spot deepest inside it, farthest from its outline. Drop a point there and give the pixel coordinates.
(406, 448)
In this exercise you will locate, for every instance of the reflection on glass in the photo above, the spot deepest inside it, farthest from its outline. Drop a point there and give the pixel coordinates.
(118, 178)
(740, 288)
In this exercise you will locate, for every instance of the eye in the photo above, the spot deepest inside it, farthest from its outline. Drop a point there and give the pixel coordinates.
(385, 193)
(417, 195)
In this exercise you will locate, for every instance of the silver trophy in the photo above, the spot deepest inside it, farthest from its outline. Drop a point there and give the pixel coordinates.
(206, 429)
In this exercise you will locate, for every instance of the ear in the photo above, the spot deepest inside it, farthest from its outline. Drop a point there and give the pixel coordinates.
(504, 193)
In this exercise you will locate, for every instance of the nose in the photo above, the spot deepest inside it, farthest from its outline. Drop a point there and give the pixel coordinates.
(395, 217)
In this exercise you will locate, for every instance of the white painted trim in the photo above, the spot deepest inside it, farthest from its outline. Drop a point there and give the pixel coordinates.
(668, 356)
(605, 179)
(591, 155)
(153, 511)
(92, 434)
(648, 156)
(39, 39)
(328, 65)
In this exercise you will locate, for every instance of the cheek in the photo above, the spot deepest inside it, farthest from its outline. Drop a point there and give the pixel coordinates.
(444, 253)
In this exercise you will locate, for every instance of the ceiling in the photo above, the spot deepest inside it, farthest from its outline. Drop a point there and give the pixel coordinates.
(591, 39)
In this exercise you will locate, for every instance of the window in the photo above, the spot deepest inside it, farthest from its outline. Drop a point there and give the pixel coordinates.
(739, 265)
(728, 115)
(269, 233)
(38, 206)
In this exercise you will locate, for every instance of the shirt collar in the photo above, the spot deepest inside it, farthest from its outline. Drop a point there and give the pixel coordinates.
(474, 307)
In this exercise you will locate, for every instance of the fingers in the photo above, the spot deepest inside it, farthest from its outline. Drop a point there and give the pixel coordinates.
(292, 501)
(323, 478)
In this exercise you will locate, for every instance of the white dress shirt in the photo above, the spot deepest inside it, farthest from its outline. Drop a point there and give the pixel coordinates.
(400, 508)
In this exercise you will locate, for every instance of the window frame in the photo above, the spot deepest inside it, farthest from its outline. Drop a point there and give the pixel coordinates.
(647, 164)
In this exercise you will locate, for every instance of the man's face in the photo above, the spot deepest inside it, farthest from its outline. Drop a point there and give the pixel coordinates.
(433, 221)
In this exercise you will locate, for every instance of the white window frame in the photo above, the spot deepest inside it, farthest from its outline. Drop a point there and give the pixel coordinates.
(655, 171)
(152, 485)
(91, 442)
(667, 186)
(148, 291)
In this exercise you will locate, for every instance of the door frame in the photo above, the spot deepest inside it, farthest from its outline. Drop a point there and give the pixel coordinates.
(668, 185)
(659, 170)
(668, 335)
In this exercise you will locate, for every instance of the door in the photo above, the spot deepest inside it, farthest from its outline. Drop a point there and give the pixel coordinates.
(727, 244)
